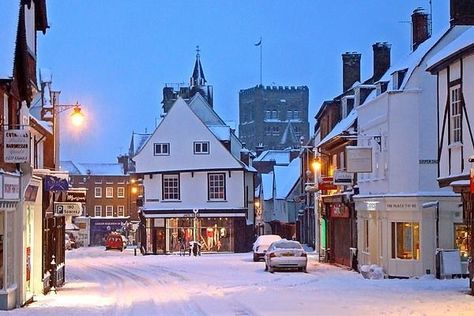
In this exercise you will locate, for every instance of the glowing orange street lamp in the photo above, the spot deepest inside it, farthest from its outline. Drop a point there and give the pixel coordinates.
(77, 117)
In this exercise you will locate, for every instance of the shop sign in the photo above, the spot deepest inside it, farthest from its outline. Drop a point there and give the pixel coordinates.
(31, 193)
(67, 209)
(471, 184)
(55, 184)
(342, 177)
(10, 187)
(339, 210)
(76, 197)
(159, 222)
(16, 146)
(327, 183)
(359, 159)
(401, 206)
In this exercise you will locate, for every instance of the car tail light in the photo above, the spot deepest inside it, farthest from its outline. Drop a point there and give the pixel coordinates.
(272, 255)
(303, 254)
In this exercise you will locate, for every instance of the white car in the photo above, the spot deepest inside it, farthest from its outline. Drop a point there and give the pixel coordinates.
(286, 254)
(261, 245)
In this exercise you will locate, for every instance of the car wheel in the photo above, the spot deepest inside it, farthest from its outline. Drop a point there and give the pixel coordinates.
(255, 257)
(107, 248)
(271, 269)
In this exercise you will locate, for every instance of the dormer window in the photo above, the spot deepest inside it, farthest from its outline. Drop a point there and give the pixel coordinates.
(201, 148)
(162, 149)
(397, 78)
(381, 87)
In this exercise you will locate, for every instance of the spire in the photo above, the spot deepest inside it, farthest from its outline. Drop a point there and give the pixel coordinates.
(197, 79)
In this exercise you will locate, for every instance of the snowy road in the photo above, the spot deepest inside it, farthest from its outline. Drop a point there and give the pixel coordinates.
(114, 283)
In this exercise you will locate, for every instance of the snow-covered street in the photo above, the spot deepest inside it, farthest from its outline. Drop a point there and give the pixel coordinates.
(113, 283)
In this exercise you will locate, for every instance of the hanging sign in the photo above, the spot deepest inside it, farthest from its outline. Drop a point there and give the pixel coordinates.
(10, 187)
(327, 183)
(67, 209)
(342, 177)
(471, 186)
(16, 146)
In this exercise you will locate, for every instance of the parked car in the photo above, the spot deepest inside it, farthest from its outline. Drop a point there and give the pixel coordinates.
(115, 241)
(261, 245)
(286, 254)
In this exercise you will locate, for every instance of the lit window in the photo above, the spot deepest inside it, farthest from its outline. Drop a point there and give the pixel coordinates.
(456, 110)
(98, 192)
(201, 147)
(109, 211)
(216, 185)
(109, 192)
(170, 187)
(120, 192)
(406, 240)
(120, 211)
(98, 210)
(162, 149)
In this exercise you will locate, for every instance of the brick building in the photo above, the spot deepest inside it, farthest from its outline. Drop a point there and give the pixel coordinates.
(275, 117)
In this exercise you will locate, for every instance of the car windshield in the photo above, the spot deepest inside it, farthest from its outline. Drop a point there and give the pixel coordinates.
(287, 245)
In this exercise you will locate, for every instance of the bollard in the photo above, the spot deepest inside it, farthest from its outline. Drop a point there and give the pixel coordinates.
(135, 251)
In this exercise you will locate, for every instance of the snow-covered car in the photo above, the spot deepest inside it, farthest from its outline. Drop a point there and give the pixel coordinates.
(286, 254)
(261, 245)
(115, 241)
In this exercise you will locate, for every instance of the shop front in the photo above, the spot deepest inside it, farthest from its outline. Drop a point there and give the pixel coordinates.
(167, 233)
(401, 234)
(9, 201)
(339, 220)
(100, 227)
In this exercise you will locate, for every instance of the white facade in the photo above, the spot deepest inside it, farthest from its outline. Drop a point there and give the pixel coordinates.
(394, 229)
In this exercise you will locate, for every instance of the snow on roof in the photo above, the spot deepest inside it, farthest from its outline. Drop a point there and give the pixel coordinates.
(221, 132)
(340, 127)
(281, 157)
(9, 13)
(464, 41)
(102, 169)
(286, 178)
(46, 125)
(139, 141)
(267, 185)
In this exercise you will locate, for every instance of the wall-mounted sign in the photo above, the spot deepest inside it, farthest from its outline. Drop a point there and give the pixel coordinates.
(31, 193)
(327, 183)
(339, 210)
(76, 197)
(359, 159)
(11, 187)
(16, 146)
(471, 186)
(401, 205)
(67, 209)
(342, 177)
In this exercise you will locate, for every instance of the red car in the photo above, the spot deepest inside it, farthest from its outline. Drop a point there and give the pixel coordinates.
(115, 241)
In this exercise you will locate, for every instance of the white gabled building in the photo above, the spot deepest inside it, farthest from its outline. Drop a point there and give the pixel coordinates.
(195, 185)
(403, 215)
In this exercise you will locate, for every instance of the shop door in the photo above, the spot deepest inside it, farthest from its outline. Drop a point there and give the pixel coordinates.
(160, 241)
(341, 238)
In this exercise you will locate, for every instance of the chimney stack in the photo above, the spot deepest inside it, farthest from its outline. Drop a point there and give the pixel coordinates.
(420, 27)
(462, 12)
(350, 69)
(381, 59)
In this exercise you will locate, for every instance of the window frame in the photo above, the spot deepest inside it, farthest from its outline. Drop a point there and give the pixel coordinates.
(98, 192)
(121, 192)
(161, 151)
(455, 114)
(200, 145)
(170, 196)
(109, 208)
(120, 210)
(414, 253)
(97, 209)
(109, 190)
(220, 193)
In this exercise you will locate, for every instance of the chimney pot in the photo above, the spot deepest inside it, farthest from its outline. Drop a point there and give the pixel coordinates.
(420, 27)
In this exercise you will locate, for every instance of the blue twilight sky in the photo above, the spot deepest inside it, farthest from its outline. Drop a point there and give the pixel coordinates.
(115, 57)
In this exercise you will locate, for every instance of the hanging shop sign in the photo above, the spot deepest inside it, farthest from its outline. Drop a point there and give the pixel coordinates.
(342, 177)
(67, 209)
(10, 187)
(339, 210)
(76, 197)
(327, 183)
(54, 184)
(16, 146)
(359, 159)
(471, 182)
(31, 193)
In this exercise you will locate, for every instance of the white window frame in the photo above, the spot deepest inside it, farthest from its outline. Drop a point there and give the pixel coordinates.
(121, 192)
(109, 192)
(121, 211)
(171, 187)
(216, 186)
(97, 210)
(455, 108)
(109, 211)
(161, 149)
(97, 192)
(409, 228)
(201, 148)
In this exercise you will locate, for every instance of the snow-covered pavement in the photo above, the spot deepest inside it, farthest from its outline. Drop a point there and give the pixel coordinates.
(114, 283)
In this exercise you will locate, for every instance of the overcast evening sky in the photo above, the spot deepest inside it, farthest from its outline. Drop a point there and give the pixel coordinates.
(115, 57)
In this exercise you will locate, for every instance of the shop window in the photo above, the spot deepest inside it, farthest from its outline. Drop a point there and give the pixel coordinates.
(109, 192)
(109, 211)
(201, 148)
(98, 210)
(461, 241)
(120, 192)
(98, 192)
(171, 187)
(120, 211)
(162, 149)
(406, 240)
(216, 186)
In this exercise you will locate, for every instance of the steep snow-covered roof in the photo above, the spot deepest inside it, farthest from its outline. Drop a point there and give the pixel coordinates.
(267, 185)
(281, 157)
(100, 169)
(286, 178)
(464, 41)
(221, 132)
(137, 142)
(9, 13)
(340, 127)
